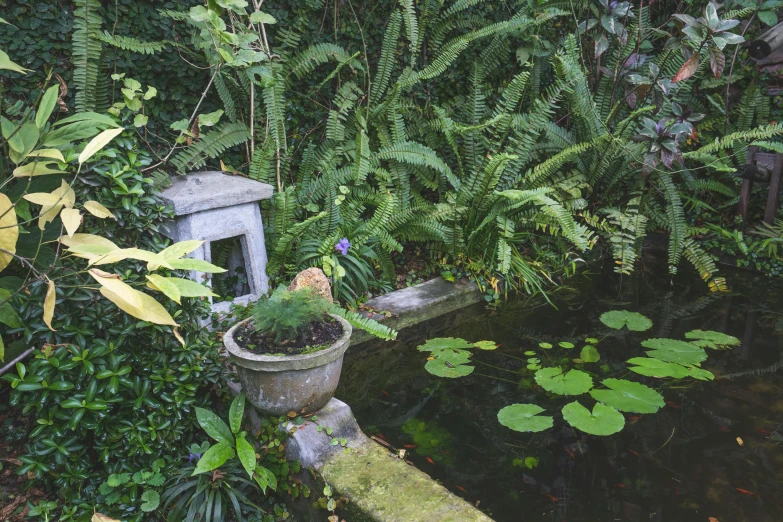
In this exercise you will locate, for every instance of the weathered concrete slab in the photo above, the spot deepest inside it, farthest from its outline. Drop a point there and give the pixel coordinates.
(419, 303)
(378, 486)
(206, 190)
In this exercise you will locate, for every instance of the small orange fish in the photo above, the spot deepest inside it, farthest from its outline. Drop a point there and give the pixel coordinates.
(430, 461)
(381, 435)
(620, 485)
(723, 428)
(746, 492)
(385, 393)
(550, 497)
(634, 452)
(409, 446)
(571, 453)
(462, 489)
(764, 432)
(446, 453)
(635, 418)
(670, 403)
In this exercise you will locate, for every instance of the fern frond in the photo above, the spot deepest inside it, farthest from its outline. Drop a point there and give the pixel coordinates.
(86, 53)
(365, 323)
(210, 145)
(127, 43)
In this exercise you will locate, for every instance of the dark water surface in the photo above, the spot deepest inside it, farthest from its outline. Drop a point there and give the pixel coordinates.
(681, 464)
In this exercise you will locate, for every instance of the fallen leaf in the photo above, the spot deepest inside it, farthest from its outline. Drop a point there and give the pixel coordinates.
(688, 69)
(739, 441)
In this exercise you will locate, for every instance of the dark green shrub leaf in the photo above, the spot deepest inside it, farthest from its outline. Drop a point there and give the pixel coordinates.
(236, 412)
(214, 457)
(214, 426)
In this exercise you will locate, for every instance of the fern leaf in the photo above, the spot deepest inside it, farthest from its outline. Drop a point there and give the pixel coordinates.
(210, 145)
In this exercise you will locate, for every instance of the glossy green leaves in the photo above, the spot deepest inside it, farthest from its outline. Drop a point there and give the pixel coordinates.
(629, 396)
(575, 382)
(603, 420)
(618, 319)
(524, 418)
(450, 356)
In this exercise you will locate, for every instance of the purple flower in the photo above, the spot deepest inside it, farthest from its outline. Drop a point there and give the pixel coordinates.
(343, 245)
(194, 456)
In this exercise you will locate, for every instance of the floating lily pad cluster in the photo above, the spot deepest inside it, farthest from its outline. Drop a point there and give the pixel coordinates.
(665, 358)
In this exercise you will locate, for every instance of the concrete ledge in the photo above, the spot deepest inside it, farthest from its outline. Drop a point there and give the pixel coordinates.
(419, 303)
(374, 485)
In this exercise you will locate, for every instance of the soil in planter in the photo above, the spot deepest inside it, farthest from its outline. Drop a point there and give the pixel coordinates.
(314, 337)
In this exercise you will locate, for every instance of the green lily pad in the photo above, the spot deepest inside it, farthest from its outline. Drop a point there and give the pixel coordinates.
(545, 346)
(530, 352)
(443, 368)
(486, 345)
(445, 343)
(628, 396)
(634, 321)
(589, 354)
(604, 420)
(575, 382)
(671, 350)
(712, 339)
(656, 368)
(698, 373)
(565, 344)
(591, 340)
(533, 366)
(524, 418)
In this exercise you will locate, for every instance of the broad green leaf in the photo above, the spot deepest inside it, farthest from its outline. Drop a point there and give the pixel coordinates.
(214, 457)
(37, 168)
(2, 350)
(210, 119)
(182, 248)
(656, 368)
(260, 17)
(589, 354)
(524, 418)
(236, 412)
(150, 500)
(671, 350)
(618, 319)
(45, 108)
(151, 93)
(9, 231)
(140, 120)
(8, 315)
(214, 426)
(161, 284)
(444, 368)
(265, 478)
(93, 117)
(97, 143)
(603, 420)
(71, 219)
(97, 210)
(49, 301)
(198, 265)
(246, 454)
(188, 288)
(628, 396)
(7, 64)
(712, 339)
(553, 380)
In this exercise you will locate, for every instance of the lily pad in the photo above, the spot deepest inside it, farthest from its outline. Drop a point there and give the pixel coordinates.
(443, 368)
(628, 396)
(604, 420)
(671, 350)
(545, 346)
(712, 339)
(524, 418)
(565, 344)
(589, 354)
(656, 368)
(698, 373)
(591, 340)
(634, 321)
(445, 343)
(575, 382)
(486, 345)
(530, 352)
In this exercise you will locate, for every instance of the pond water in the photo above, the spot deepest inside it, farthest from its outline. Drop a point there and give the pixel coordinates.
(714, 450)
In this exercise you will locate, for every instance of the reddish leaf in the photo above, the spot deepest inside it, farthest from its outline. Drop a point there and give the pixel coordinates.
(717, 62)
(688, 69)
(746, 492)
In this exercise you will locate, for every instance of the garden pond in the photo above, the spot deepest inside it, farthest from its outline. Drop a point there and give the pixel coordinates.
(713, 450)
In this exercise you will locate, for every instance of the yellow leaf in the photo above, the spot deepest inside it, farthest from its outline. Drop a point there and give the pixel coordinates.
(97, 143)
(63, 196)
(179, 337)
(97, 210)
(47, 153)
(42, 198)
(51, 297)
(164, 285)
(188, 288)
(88, 239)
(176, 251)
(130, 253)
(71, 219)
(100, 517)
(66, 192)
(150, 310)
(9, 231)
(38, 168)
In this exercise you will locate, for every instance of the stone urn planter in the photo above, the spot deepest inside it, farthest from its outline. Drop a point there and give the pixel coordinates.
(277, 385)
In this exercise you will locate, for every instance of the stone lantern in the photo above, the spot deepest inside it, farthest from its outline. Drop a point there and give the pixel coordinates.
(213, 206)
